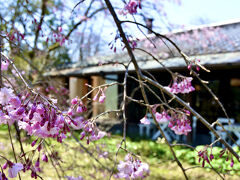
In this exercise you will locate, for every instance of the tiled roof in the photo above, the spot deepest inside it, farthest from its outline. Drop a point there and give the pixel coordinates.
(204, 40)
(219, 60)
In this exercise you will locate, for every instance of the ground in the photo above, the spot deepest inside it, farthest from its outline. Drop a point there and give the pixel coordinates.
(75, 161)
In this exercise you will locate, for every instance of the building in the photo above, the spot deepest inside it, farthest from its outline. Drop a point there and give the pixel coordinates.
(217, 47)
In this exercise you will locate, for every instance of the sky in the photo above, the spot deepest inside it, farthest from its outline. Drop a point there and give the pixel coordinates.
(190, 11)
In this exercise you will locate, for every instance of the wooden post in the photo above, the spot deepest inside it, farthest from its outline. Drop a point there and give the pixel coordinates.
(77, 87)
(97, 107)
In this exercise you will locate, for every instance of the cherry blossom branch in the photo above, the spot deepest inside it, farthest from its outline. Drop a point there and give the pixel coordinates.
(115, 161)
(186, 58)
(43, 9)
(1, 61)
(106, 112)
(99, 87)
(124, 105)
(14, 153)
(75, 27)
(89, 153)
(54, 166)
(139, 74)
(19, 140)
(187, 106)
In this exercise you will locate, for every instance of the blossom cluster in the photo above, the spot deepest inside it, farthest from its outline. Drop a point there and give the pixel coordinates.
(132, 168)
(228, 156)
(11, 109)
(181, 85)
(195, 63)
(43, 120)
(203, 156)
(131, 7)
(206, 155)
(57, 37)
(178, 122)
(13, 169)
(101, 98)
(160, 117)
(131, 41)
(15, 35)
(88, 127)
(89, 130)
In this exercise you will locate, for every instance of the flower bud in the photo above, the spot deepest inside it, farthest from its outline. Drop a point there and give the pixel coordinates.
(74, 101)
(37, 164)
(5, 165)
(44, 158)
(34, 142)
(79, 109)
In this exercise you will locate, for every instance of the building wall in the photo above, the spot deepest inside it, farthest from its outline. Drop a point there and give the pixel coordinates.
(77, 87)
(112, 95)
(97, 107)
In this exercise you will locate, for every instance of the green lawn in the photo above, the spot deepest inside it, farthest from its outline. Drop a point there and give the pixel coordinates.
(74, 160)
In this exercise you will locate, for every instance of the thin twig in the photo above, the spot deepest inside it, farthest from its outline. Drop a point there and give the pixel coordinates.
(139, 74)
(14, 153)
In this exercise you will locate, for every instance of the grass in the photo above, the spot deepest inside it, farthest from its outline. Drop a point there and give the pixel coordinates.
(74, 160)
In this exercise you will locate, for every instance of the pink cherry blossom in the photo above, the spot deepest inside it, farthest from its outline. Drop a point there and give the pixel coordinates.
(70, 112)
(143, 169)
(79, 123)
(13, 171)
(4, 65)
(162, 117)
(180, 124)
(15, 101)
(44, 158)
(37, 164)
(79, 109)
(74, 101)
(132, 168)
(181, 85)
(125, 169)
(132, 6)
(102, 97)
(144, 120)
(3, 176)
(5, 95)
(96, 96)
(232, 163)
(5, 165)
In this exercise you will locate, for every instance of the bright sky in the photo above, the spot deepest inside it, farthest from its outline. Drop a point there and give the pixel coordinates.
(210, 10)
(192, 13)
(189, 13)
